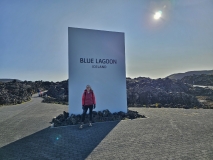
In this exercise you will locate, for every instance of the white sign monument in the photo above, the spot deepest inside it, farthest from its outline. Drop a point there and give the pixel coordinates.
(97, 58)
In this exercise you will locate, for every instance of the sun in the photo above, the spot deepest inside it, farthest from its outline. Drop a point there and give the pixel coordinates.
(157, 15)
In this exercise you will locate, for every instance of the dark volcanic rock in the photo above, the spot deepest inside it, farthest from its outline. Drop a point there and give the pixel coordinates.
(100, 116)
(203, 80)
(141, 91)
(145, 91)
(199, 91)
(106, 113)
(57, 93)
(16, 92)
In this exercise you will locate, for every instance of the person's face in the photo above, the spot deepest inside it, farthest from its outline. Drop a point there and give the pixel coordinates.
(88, 88)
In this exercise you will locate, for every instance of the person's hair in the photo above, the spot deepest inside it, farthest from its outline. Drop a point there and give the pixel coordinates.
(88, 86)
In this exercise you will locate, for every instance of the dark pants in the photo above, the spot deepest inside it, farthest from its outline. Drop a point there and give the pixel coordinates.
(85, 111)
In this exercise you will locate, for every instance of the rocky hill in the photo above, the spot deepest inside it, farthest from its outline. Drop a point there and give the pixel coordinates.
(204, 80)
(5, 80)
(190, 73)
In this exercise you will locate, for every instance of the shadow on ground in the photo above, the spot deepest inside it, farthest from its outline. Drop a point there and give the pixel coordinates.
(58, 143)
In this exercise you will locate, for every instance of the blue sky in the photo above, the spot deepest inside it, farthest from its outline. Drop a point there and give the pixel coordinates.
(34, 35)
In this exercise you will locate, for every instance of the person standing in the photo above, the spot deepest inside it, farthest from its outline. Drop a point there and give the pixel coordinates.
(88, 102)
(38, 92)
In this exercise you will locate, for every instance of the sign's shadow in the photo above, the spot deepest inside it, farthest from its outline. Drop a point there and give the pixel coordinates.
(58, 143)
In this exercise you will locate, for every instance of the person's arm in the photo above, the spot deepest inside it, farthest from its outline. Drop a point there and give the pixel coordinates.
(83, 99)
(94, 101)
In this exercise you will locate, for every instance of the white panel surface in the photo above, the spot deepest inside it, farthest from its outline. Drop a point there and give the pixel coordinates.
(97, 58)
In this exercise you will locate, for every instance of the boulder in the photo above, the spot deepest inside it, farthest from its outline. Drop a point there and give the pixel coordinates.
(106, 113)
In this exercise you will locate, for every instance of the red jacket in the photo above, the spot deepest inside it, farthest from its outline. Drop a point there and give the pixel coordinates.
(88, 98)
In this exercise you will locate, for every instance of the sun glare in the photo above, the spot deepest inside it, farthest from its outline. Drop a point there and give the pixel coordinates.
(157, 15)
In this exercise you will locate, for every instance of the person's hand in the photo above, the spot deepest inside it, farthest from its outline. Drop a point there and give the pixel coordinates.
(94, 106)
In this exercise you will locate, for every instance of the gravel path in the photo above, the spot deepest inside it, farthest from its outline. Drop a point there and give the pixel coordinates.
(19, 121)
(166, 134)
